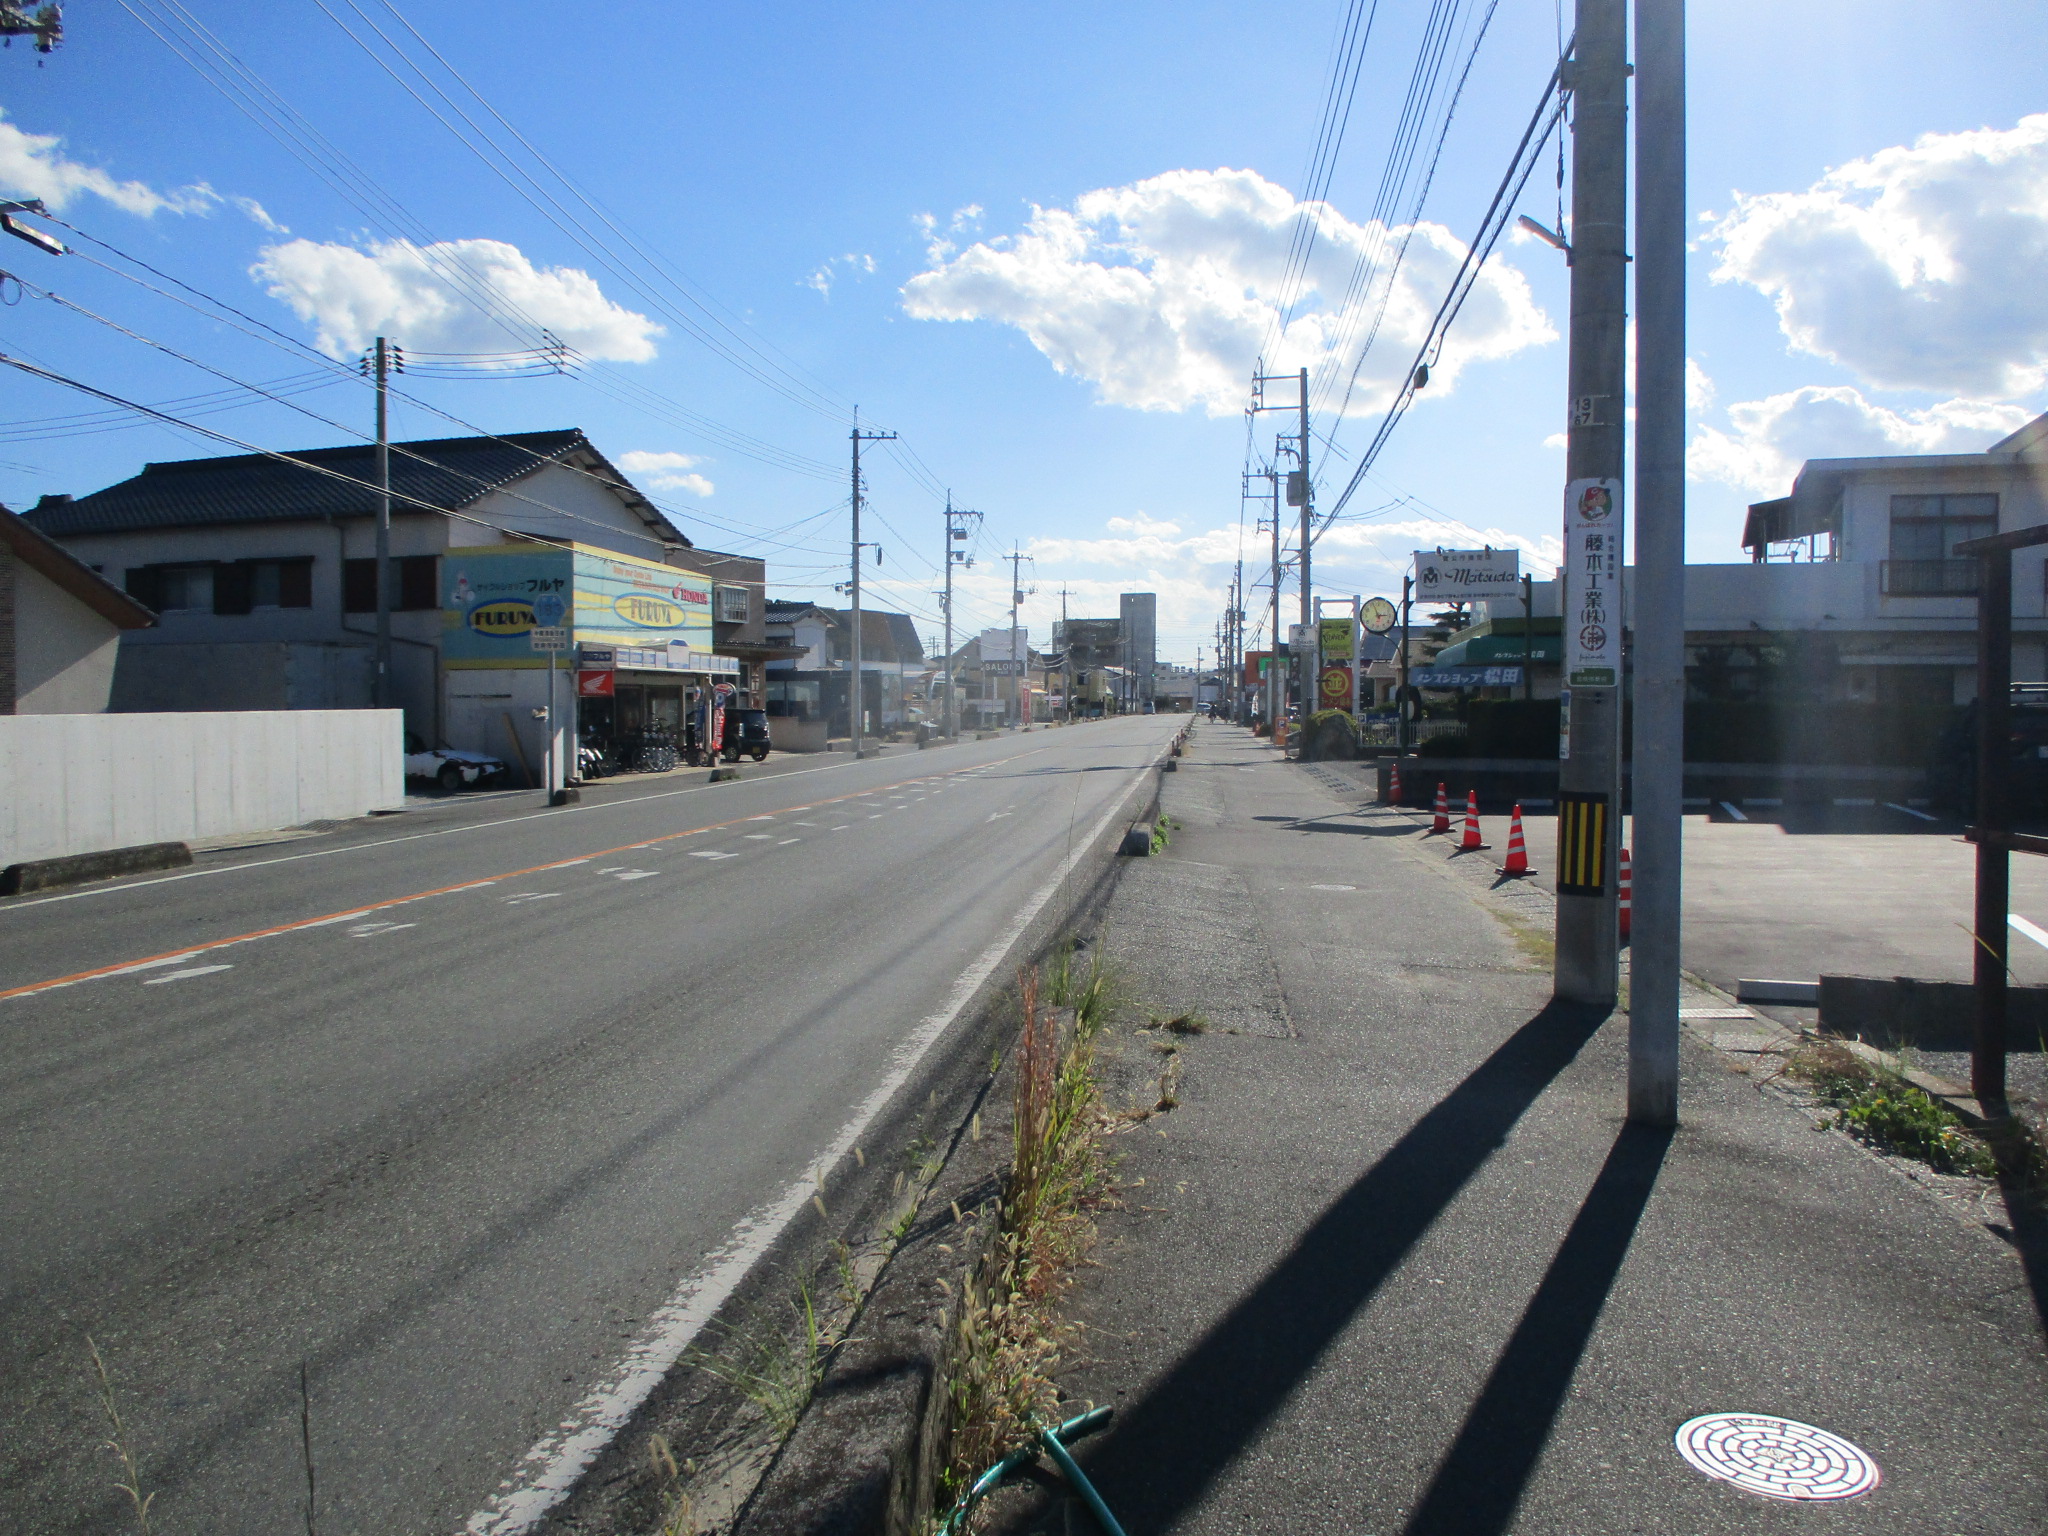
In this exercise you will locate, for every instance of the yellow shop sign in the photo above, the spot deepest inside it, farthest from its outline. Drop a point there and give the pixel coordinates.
(650, 612)
(502, 618)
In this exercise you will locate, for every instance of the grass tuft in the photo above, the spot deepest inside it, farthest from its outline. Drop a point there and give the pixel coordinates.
(118, 1443)
(1884, 1110)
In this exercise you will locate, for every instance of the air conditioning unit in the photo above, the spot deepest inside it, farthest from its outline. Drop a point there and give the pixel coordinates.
(732, 605)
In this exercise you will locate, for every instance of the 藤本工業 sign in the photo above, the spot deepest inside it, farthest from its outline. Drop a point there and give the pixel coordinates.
(1448, 574)
(1592, 583)
(494, 597)
(1336, 636)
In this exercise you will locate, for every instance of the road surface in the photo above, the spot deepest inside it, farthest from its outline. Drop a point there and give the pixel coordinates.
(475, 1118)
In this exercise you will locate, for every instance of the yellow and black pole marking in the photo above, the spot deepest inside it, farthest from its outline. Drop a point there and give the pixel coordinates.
(1582, 843)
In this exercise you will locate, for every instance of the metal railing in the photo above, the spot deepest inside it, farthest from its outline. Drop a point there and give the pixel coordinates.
(1929, 578)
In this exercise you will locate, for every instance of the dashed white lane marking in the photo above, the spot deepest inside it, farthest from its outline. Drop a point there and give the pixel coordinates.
(546, 1473)
(2032, 930)
(997, 815)
(810, 823)
(526, 896)
(760, 837)
(1333, 887)
(787, 841)
(371, 930)
(771, 818)
(1907, 810)
(835, 829)
(1729, 807)
(637, 874)
(194, 970)
(713, 853)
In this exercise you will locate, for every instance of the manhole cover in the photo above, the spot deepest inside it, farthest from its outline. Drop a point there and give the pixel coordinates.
(1778, 1458)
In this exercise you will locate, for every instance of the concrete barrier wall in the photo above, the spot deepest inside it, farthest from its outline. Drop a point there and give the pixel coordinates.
(82, 783)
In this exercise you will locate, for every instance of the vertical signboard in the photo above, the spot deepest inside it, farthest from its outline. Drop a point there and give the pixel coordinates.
(1592, 584)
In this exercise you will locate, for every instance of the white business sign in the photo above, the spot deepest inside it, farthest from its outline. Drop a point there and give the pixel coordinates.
(1592, 583)
(548, 637)
(995, 644)
(1447, 575)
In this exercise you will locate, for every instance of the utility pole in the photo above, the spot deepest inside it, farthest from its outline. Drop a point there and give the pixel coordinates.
(1016, 557)
(856, 697)
(1659, 770)
(1589, 777)
(956, 532)
(1066, 658)
(1276, 689)
(382, 361)
(1401, 731)
(1308, 497)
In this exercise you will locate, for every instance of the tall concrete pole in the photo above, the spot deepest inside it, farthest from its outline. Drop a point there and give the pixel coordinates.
(946, 723)
(1659, 598)
(1589, 777)
(382, 655)
(856, 693)
(1308, 498)
(1276, 687)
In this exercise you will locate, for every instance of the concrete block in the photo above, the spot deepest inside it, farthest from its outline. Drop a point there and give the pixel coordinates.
(75, 869)
(1790, 994)
(1894, 1011)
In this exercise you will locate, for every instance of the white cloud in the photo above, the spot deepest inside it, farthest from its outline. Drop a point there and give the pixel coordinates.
(1918, 267)
(1772, 437)
(33, 165)
(1161, 293)
(256, 213)
(666, 471)
(859, 265)
(394, 288)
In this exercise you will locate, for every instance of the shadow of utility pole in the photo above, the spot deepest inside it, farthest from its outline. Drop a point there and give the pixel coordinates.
(1167, 1448)
(1479, 1484)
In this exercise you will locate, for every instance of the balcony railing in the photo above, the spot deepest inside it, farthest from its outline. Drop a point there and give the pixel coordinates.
(1929, 578)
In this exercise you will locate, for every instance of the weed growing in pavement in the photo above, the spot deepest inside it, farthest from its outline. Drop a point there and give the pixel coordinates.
(1883, 1109)
(1162, 833)
(119, 1445)
(678, 1512)
(1008, 1338)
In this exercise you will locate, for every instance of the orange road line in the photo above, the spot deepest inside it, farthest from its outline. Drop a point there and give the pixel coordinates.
(190, 950)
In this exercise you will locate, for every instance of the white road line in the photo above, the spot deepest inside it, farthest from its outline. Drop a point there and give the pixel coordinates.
(526, 896)
(1729, 807)
(547, 1472)
(713, 853)
(1909, 811)
(196, 970)
(759, 837)
(371, 930)
(2032, 930)
(787, 841)
(642, 874)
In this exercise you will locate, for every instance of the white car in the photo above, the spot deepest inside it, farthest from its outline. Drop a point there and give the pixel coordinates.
(447, 766)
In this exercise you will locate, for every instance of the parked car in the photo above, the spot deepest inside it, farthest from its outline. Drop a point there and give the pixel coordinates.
(448, 767)
(746, 731)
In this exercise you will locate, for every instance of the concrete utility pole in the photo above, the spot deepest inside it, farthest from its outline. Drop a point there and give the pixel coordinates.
(856, 694)
(1066, 658)
(382, 690)
(1276, 689)
(1016, 557)
(956, 530)
(1589, 776)
(1659, 606)
(1308, 499)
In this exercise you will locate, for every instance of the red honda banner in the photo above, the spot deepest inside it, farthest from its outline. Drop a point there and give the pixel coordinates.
(594, 685)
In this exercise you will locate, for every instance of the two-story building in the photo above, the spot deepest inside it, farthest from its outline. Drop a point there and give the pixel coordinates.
(262, 570)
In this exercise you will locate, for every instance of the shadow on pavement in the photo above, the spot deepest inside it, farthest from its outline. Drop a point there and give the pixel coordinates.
(2029, 1231)
(1168, 1446)
(1480, 1482)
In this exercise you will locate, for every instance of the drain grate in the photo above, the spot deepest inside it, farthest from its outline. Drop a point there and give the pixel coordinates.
(1778, 1458)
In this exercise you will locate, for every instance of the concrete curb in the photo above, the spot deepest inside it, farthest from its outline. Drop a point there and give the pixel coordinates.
(866, 1454)
(77, 868)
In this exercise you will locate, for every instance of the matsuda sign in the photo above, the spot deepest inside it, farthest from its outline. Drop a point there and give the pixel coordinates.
(1446, 575)
(493, 598)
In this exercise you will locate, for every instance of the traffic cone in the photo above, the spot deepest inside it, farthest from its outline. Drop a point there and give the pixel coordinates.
(1625, 889)
(1394, 785)
(1442, 823)
(1470, 842)
(1518, 851)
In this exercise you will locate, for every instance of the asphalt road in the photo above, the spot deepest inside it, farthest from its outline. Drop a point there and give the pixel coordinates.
(475, 1116)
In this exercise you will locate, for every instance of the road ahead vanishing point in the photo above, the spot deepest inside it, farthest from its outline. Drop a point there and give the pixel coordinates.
(479, 1124)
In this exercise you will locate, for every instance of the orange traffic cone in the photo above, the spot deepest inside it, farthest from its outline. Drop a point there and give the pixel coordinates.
(1442, 823)
(1625, 888)
(1518, 851)
(1470, 842)
(1394, 785)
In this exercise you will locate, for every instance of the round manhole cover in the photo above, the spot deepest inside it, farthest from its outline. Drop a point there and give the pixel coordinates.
(1778, 1458)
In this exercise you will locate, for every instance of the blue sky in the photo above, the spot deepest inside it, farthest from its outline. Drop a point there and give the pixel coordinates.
(1039, 242)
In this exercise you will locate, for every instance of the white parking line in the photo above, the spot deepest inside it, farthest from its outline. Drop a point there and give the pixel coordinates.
(1729, 807)
(197, 970)
(2033, 931)
(1909, 811)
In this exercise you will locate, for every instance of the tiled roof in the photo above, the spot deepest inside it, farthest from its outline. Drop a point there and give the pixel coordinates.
(449, 473)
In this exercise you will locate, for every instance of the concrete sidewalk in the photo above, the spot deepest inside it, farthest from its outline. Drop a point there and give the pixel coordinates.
(1394, 1263)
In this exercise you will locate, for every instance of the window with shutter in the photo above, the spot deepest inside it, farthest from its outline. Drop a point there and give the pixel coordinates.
(418, 583)
(358, 586)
